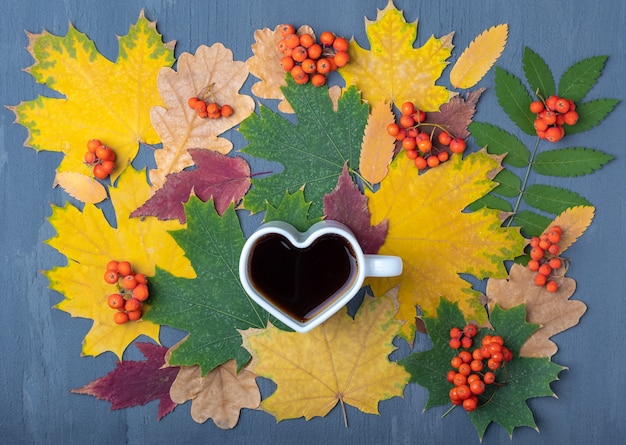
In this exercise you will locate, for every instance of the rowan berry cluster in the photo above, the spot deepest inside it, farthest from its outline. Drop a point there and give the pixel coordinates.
(474, 369)
(211, 110)
(418, 145)
(132, 291)
(100, 158)
(544, 258)
(552, 113)
(309, 60)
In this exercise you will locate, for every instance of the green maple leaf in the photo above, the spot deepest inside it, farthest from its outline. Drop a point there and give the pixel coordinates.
(213, 306)
(525, 377)
(292, 209)
(313, 151)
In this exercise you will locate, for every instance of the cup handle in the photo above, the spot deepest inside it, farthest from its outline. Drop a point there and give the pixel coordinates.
(382, 265)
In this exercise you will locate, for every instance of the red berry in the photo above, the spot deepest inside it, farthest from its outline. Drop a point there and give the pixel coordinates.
(120, 317)
(536, 107)
(111, 276)
(115, 301)
(124, 268)
(457, 145)
(444, 138)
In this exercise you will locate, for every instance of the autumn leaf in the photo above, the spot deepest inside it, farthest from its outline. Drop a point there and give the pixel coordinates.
(522, 379)
(81, 187)
(213, 306)
(479, 57)
(134, 383)
(347, 205)
(313, 372)
(554, 312)
(393, 70)
(574, 222)
(293, 209)
(378, 146)
(210, 74)
(220, 395)
(436, 239)
(122, 92)
(313, 151)
(223, 178)
(89, 242)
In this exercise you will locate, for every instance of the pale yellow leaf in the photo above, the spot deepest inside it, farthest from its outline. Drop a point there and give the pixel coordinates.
(479, 57)
(81, 187)
(378, 146)
(573, 221)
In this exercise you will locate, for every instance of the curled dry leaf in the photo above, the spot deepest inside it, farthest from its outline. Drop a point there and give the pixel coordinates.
(211, 74)
(554, 312)
(220, 395)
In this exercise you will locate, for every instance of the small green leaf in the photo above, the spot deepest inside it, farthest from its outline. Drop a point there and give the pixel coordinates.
(499, 142)
(509, 186)
(491, 202)
(293, 209)
(569, 162)
(551, 199)
(531, 223)
(514, 99)
(538, 74)
(579, 78)
(591, 114)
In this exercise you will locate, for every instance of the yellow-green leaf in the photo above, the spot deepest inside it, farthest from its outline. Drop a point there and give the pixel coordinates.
(89, 242)
(393, 70)
(479, 57)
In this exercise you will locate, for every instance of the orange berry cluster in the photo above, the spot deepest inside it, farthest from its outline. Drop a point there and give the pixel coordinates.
(209, 110)
(469, 376)
(307, 59)
(544, 258)
(100, 158)
(552, 114)
(132, 291)
(417, 144)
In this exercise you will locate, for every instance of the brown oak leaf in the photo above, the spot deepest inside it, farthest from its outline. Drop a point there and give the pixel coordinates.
(219, 395)
(554, 312)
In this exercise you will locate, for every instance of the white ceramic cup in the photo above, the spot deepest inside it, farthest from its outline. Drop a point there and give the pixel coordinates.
(260, 276)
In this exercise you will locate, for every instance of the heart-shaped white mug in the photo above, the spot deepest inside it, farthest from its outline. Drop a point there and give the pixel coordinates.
(303, 278)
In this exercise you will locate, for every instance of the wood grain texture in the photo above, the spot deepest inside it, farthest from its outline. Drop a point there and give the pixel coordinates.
(41, 346)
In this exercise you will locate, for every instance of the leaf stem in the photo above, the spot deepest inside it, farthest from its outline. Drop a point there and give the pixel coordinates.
(525, 181)
(365, 181)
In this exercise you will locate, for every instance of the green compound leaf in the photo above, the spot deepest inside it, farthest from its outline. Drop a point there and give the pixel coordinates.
(552, 199)
(531, 223)
(509, 184)
(491, 202)
(579, 78)
(500, 142)
(294, 210)
(515, 100)
(538, 74)
(313, 151)
(213, 306)
(591, 114)
(523, 377)
(569, 162)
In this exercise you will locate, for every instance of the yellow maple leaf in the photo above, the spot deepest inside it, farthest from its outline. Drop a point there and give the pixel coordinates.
(378, 146)
(436, 239)
(479, 57)
(89, 242)
(393, 70)
(107, 100)
(210, 74)
(343, 360)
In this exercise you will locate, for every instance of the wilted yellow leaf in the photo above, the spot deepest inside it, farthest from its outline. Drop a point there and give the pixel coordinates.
(106, 100)
(212, 74)
(82, 187)
(393, 70)
(574, 222)
(219, 395)
(479, 57)
(343, 360)
(553, 311)
(378, 146)
(89, 243)
(436, 239)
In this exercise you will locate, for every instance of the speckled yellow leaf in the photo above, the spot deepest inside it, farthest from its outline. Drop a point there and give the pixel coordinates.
(436, 239)
(89, 242)
(82, 187)
(479, 57)
(574, 222)
(392, 70)
(107, 100)
(343, 360)
(378, 146)
(211, 74)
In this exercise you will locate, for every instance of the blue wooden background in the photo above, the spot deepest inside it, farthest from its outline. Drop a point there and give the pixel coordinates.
(40, 346)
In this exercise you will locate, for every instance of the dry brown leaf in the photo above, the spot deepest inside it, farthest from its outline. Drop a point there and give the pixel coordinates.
(573, 221)
(81, 187)
(211, 73)
(554, 312)
(378, 146)
(220, 395)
